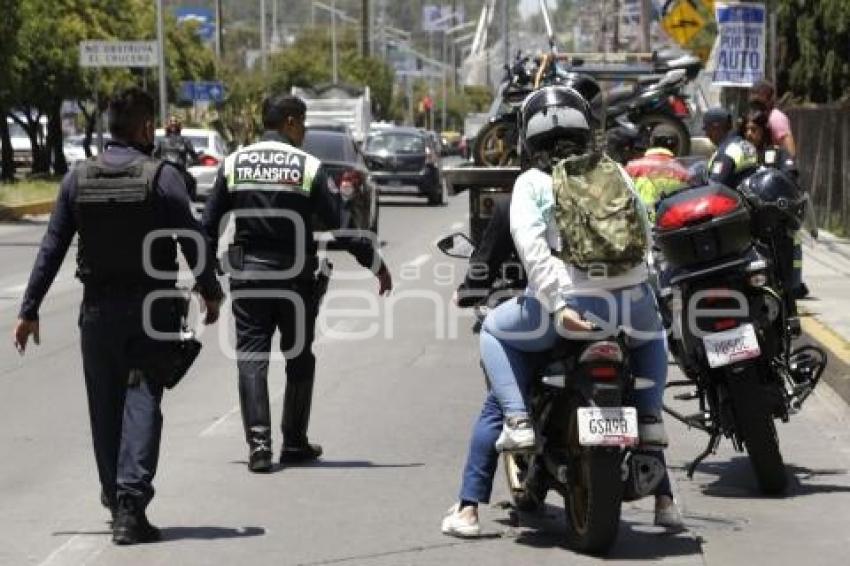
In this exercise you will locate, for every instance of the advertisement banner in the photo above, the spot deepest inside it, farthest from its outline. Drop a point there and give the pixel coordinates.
(739, 55)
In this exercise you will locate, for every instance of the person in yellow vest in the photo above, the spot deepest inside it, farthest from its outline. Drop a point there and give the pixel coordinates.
(657, 173)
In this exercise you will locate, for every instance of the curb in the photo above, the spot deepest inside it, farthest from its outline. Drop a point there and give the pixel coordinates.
(18, 211)
(837, 373)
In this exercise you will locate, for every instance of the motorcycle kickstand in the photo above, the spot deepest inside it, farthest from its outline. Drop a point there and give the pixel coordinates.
(713, 442)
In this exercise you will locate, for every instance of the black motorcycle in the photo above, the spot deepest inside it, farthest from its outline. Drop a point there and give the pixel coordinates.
(725, 288)
(587, 431)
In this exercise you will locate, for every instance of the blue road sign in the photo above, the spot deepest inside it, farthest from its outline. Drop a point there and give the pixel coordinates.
(202, 91)
(204, 18)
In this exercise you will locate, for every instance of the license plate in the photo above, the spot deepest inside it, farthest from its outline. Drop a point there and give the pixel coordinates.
(607, 426)
(730, 346)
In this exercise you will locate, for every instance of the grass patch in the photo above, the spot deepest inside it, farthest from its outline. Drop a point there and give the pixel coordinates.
(28, 191)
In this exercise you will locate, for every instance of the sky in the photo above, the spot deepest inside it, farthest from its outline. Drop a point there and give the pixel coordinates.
(532, 7)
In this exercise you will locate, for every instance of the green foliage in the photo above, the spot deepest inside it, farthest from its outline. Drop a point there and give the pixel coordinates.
(814, 55)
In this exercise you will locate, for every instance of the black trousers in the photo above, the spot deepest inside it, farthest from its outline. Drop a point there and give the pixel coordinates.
(126, 421)
(259, 311)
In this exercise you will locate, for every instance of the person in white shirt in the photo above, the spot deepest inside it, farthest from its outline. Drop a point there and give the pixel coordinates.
(557, 123)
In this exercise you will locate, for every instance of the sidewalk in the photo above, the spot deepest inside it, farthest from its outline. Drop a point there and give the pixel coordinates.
(826, 320)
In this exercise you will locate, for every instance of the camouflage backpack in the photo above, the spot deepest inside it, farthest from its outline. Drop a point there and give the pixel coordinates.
(598, 216)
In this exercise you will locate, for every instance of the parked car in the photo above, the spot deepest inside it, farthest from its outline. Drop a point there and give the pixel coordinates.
(211, 149)
(335, 147)
(405, 161)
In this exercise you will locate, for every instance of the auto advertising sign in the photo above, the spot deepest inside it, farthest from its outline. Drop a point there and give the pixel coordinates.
(739, 54)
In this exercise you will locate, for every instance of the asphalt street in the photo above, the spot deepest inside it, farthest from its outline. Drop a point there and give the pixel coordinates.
(398, 388)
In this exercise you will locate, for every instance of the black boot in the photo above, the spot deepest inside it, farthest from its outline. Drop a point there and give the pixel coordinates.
(260, 447)
(131, 525)
(104, 500)
(296, 417)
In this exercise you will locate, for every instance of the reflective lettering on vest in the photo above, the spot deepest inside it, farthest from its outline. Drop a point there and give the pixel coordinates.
(271, 166)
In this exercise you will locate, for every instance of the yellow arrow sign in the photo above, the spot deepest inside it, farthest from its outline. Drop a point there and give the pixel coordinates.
(682, 22)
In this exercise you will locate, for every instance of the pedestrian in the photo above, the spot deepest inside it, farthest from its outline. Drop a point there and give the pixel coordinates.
(763, 97)
(273, 189)
(179, 151)
(116, 204)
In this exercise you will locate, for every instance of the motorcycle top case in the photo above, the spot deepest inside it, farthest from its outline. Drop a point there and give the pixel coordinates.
(702, 224)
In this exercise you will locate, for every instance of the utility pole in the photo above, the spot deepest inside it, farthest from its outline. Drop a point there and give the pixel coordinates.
(160, 35)
(335, 71)
(218, 32)
(275, 30)
(645, 23)
(264, 46)
(365, 28)
(506, 30)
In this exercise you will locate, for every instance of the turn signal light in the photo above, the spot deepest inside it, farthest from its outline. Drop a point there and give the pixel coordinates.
(697, 210)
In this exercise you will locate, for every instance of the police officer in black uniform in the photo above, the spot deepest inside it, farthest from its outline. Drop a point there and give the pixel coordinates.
(273, 189)
(114, 202)
(179, 151)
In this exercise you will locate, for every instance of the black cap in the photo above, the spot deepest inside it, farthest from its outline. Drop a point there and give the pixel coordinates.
(716, 116)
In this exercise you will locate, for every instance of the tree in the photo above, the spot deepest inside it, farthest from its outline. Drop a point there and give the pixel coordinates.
(814, 58)
(9, 25)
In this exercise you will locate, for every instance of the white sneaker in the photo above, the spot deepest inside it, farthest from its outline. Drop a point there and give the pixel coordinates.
(517, 435)
(670, 518)
(461, 524)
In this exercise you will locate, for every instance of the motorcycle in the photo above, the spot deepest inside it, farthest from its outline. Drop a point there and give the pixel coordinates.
(725, 290)
(588, 446)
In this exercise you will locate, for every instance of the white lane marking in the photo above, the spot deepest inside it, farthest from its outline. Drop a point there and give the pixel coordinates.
(417, 262)
(342, 326)
(76, 550)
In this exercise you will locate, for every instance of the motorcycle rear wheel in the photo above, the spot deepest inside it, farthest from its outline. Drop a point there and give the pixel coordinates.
(757, 429)
(495, 145)
(594, 495)
(649, 122)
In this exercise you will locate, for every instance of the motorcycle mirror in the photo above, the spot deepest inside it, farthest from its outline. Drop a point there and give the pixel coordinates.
(456, 245)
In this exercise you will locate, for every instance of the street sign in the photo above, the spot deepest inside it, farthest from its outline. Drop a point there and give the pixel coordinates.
(739, 57)
(682, 22)
(119, 54)
(202, 91)
(204, 17)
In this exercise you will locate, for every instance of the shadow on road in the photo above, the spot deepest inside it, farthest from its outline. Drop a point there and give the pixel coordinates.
(186, 533)
(336, 464)
(635, 541)
(735, 479)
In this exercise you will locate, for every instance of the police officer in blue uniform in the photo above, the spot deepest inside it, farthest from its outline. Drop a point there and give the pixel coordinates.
(735, 158)
(114, 203)
(273, 189)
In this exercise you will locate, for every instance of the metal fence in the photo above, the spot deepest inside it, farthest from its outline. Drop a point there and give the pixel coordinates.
(823, 156)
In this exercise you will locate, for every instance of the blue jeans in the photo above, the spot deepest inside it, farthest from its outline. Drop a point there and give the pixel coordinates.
(509, 368)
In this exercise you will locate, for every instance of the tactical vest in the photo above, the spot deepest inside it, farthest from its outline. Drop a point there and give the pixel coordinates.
(744, 157)
(598, 215)
(270, 182)
(115, 210)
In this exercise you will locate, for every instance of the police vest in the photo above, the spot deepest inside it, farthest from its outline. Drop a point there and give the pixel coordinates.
(115, 211)
(744, 157)
(270, 184)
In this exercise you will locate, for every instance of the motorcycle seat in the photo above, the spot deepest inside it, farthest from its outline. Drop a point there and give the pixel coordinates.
(621, 93)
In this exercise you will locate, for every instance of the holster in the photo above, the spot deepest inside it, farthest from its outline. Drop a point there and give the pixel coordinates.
(165, 362)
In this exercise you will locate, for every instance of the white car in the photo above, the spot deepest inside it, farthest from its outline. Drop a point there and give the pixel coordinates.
(73, 147)
(211, 149)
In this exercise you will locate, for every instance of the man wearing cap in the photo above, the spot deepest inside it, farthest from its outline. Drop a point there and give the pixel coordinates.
(735, 157)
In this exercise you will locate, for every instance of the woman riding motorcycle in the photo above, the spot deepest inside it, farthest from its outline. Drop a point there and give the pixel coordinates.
(557, 122)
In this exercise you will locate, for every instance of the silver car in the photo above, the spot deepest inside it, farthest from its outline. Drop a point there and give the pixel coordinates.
(211, 149)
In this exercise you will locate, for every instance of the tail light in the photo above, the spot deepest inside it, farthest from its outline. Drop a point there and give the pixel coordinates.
(725, 324)
(349, 182)
(603, 373)
(208, 161)
(679, 107)
(697, 210)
